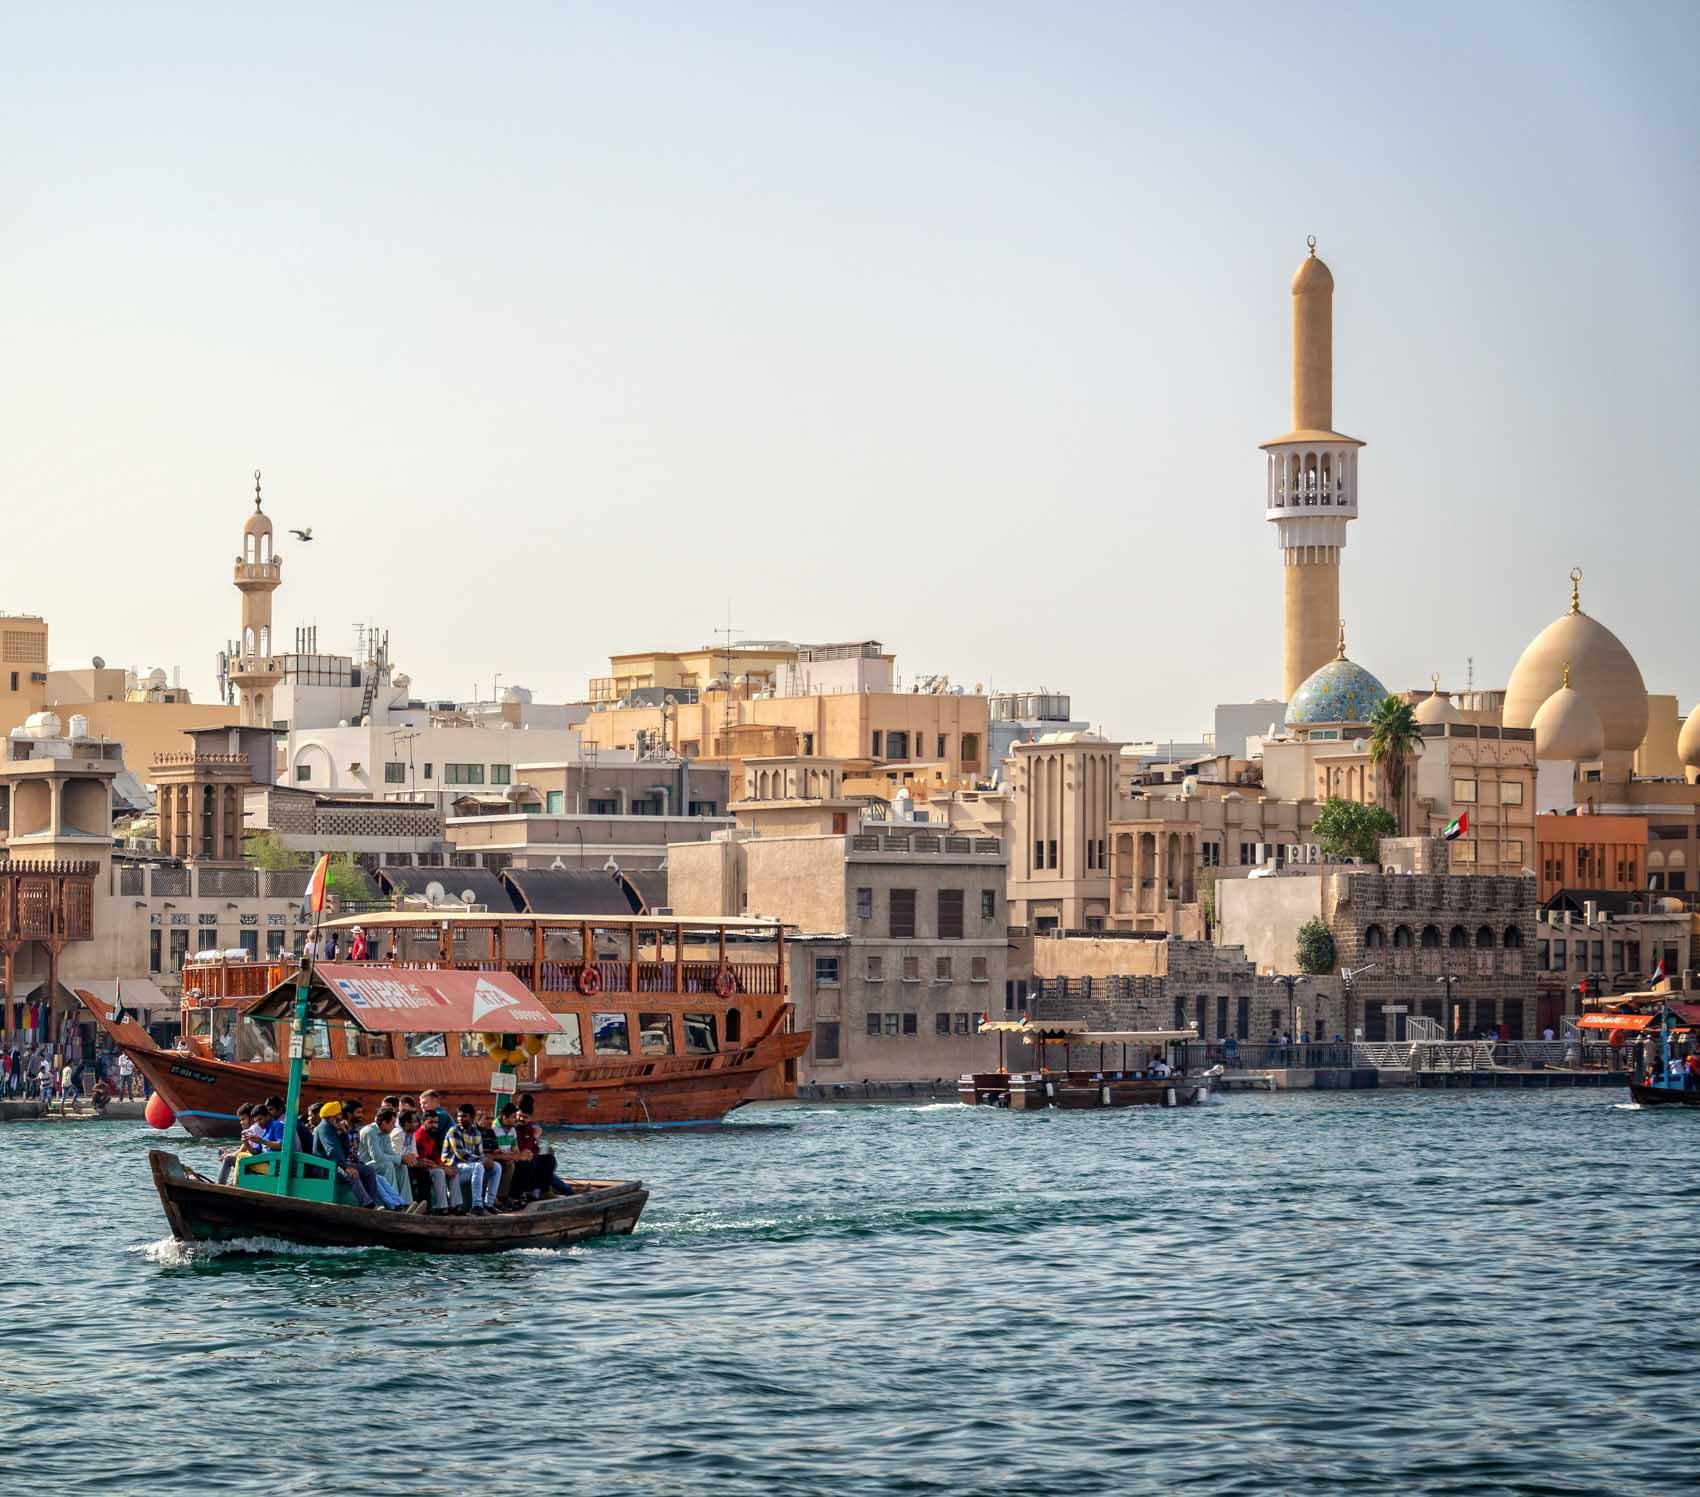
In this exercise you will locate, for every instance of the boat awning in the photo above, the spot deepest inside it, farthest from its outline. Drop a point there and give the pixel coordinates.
(392, 1000)
(137, 993)
(1131, 1036)
(1045, 1027)
(1689, 1013)
(1614, 1021)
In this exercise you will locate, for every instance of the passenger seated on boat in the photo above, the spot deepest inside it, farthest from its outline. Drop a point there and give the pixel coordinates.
(275, 1122)
(502, 1148)
(432, 1102)
(463, 1147)
(377, 1151)
(428, 1147)
(331, 1141)
(227, 1160)
(530, 1138)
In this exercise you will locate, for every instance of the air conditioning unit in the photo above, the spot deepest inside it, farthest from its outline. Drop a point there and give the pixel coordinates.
(1295, 852)
(1313, 853)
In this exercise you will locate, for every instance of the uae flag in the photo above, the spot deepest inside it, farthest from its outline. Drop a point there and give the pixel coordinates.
(313, 899)
(1659, 972)
(1456, 827)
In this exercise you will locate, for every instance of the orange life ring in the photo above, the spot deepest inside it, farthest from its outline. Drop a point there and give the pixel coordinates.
(725, 984)
(589, 980)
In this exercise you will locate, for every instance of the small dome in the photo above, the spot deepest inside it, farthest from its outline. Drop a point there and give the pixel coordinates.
(1341, 692)
(1688, 741)
(1312, 275)
(1599, 666)
(1435, 708)
(1567, 727)
(259, 523)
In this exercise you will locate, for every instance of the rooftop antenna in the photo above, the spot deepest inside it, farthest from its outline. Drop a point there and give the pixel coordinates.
(1470, 673)
(728, 632)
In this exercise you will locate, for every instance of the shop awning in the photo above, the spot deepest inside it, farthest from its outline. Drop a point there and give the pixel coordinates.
(137, 992)
(1046, 1027)
(393, 1000)
(1614, 1021)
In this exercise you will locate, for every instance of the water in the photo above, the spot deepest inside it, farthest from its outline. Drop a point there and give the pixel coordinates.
(1441, 1292)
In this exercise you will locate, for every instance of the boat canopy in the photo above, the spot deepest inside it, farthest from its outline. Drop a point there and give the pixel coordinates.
(1614, 1021)
(393, 1000)
(1076, 1032)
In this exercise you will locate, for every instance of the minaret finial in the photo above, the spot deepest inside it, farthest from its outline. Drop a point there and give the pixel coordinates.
(1576, 589)
(1435, 678)
(1342, 653)
(256, 490)
(1567, 675)
(1310, 240)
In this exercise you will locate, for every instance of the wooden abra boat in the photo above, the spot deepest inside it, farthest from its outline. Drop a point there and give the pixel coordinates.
(302, 1197)
(1157, 1085)
(201, 1211)
(1631, 1018)
(663, 1022)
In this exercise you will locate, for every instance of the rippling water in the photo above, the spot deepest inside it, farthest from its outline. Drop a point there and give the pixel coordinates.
(1449, 1293)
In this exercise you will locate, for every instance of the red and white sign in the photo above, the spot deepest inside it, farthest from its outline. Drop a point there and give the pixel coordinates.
(404, 1000)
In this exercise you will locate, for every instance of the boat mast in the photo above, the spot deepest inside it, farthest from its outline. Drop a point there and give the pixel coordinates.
(297, 1052)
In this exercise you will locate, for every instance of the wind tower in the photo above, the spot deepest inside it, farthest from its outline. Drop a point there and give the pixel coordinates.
(254, 669)
(1312, 483)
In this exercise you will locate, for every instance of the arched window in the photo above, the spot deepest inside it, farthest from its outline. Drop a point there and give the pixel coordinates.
(248, 546)
(265, 640)
(1457, 938)
(1484, 938)
(1431, 937)
(1375, 938)
(1402, 937)
(266, 547)
(1513, 938)
(248, 641)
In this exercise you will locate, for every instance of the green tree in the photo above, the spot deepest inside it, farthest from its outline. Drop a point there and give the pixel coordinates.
(1394, 736)
(1350, 829)
(267, 850)
(1316, 947)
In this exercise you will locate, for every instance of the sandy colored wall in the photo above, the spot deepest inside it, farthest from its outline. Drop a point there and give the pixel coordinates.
(1263, 915)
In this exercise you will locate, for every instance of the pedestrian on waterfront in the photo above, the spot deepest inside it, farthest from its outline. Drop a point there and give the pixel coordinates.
(67, 1081)
(126, 1076)
(330, 947)
(357, 946)
(1547, 1035)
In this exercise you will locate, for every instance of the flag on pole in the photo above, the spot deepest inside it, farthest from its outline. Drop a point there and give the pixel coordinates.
(1659, 972)
(314, 898)
(1456, 827)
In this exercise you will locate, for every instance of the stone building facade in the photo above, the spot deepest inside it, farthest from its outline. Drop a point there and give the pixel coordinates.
(902, 940)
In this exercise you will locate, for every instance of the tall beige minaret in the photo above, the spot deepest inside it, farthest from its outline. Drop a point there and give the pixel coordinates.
(1313, 483)
(254, 667)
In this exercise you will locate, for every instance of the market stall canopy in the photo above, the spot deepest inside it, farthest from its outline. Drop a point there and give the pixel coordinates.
(1614, 1021)
(395, 1000)
(137, 993)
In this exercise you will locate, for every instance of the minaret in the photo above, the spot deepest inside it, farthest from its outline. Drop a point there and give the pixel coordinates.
(1313, 483)
(254, 670)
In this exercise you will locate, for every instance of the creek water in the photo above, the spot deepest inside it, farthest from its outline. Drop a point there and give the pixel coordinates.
(1446, 1292)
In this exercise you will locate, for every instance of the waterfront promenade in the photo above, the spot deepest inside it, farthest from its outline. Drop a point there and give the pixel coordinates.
(1394, 1291)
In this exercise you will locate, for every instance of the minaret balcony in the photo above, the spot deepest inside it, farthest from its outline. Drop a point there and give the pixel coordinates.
(1308, 479)
(259, 574)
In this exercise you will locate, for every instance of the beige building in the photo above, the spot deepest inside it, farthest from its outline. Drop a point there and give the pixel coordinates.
(904, 930)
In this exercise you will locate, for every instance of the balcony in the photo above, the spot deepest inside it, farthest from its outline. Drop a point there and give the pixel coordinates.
(259, 573)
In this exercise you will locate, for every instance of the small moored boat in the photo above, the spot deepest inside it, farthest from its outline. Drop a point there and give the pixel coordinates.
(1158, 1084)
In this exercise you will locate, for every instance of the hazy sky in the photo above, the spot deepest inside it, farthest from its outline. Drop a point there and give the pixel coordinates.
(953, 326)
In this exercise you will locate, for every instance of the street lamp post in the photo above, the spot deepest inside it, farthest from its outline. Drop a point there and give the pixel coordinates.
(1292, 1011)
(1348, 980)
(1451, 1017)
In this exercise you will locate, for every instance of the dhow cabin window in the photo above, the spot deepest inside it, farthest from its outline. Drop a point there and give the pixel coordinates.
(701, 1035)
(655, 1034)
(425, 1046)
(613, 1034)
(568, 1041)
(255, 1042)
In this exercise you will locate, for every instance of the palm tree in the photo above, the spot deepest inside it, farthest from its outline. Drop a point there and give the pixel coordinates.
(1394, 736)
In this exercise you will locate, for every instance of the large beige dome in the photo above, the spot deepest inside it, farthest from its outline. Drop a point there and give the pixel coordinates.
(1688, 741)
(1567, 727)
(1601, 669)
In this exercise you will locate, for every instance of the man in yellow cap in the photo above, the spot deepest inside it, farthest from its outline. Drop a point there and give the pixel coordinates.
(331, 1141)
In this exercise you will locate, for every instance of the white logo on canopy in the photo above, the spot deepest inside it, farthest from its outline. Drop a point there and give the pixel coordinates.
(487, 997)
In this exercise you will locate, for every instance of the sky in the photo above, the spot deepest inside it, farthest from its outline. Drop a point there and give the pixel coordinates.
(580, 329)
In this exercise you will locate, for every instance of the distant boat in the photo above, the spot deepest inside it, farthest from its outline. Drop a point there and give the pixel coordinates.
(1109, 1085)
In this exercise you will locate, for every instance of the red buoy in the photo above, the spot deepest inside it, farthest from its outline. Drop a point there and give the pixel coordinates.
(158, 1112)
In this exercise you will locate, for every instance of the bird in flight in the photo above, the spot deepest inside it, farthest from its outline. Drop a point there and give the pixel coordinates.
(303, 535)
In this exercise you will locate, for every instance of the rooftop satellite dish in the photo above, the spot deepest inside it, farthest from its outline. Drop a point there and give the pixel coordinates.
(99, 664)
(435, 892)
(468, 897)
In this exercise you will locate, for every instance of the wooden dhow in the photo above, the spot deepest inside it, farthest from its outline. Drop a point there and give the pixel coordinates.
(663, 1022)
(1157, 1084)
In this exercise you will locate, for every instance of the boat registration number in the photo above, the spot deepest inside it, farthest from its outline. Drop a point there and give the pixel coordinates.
(189, 1073)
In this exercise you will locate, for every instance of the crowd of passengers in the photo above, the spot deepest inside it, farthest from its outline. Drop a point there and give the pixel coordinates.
(415, 1155)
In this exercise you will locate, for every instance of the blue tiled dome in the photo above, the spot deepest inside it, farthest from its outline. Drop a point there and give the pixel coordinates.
(1341, 692)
